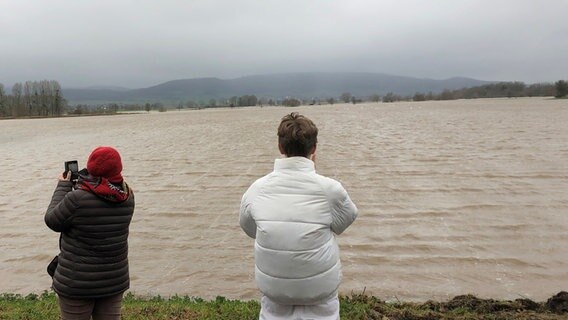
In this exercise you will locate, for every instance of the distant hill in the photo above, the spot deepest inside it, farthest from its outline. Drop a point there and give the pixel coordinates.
(113, 88)
(298, 85)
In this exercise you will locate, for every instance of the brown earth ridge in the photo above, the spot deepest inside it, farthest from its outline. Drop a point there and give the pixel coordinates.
(467, 307)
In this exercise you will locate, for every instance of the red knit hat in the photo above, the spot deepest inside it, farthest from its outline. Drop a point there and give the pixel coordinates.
(105, 162)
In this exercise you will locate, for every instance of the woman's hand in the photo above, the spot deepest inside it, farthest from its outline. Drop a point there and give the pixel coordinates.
(65, 176)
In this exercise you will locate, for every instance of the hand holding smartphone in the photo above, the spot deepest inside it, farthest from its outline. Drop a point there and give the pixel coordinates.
(73, 168)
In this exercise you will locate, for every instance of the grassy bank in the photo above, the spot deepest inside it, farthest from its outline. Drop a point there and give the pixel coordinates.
(352, 307)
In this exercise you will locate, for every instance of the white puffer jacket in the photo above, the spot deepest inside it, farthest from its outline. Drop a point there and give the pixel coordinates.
(293, 213)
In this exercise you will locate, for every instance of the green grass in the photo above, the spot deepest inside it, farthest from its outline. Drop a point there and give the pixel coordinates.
(468, 307)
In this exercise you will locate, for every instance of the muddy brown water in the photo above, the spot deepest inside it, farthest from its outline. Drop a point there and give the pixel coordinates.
(454, 197)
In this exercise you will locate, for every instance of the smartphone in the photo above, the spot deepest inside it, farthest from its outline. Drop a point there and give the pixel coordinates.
(72, 166)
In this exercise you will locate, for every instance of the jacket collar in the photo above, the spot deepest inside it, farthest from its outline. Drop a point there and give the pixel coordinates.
(294, 163)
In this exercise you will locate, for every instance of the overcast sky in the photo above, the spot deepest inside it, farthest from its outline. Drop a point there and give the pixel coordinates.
(141, 43)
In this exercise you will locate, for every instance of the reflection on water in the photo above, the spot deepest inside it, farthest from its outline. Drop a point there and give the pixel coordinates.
(454, 197)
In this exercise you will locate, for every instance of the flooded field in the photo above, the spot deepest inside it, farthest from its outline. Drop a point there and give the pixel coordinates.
(454, 197)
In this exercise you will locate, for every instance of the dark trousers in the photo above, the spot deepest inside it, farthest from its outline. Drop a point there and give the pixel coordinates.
(101, 309)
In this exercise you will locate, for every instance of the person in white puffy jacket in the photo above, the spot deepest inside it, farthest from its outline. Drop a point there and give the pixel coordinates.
(294, 215)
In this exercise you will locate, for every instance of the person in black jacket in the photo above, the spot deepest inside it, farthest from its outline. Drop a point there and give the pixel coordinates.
(93, 216)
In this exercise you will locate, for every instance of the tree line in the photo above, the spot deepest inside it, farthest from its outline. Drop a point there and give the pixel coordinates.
(495, 90)
(44, 98)
(32, 99)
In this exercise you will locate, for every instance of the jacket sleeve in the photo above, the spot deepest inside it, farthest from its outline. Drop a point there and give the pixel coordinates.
(246, 219)
(343, 210)
(62, 206)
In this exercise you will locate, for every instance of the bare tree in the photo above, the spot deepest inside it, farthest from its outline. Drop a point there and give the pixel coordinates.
(375, 98)
(27, 96)
(418, 96)
(233, 101)
(58, 104)
(561, 88)
(291, 102)
(3, 102)
(18, 108)
(346, 97)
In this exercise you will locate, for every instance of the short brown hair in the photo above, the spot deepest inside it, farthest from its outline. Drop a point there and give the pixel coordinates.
(297, 135)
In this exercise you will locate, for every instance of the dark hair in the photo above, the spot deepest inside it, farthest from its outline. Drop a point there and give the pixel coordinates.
(297, 135)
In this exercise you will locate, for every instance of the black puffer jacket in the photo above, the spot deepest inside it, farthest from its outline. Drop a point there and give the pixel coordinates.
(93, 262)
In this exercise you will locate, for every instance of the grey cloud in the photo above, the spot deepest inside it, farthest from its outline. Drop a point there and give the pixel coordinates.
(141, 43)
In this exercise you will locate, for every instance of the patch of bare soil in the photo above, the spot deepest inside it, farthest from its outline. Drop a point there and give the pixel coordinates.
(472, 308)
